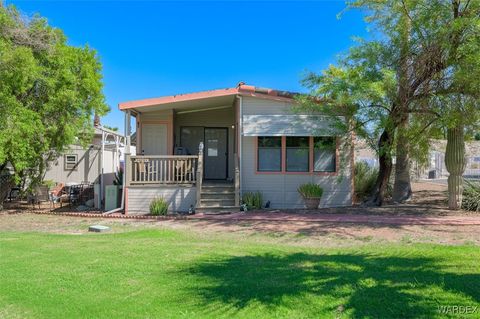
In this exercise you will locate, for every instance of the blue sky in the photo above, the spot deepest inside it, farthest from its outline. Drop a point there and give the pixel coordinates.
(155, 48)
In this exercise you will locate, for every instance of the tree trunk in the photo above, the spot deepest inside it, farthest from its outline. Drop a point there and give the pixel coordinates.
(455, 163)
(385, 169)
(402, 189)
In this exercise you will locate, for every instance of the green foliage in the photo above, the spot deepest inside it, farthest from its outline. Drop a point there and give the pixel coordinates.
(310, 190)
(225, 274)
(49, 92)
(365, 178)
(420, 54)
(253, 200)
(111, 128)
(471, 196)
(158, 206)
(49, 183)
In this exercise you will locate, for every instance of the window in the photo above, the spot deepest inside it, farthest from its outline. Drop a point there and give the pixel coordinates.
(324, 154)
(298, 154)
(71, 161)
(269, 154)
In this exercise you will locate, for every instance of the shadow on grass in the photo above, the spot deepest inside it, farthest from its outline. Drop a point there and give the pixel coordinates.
(360, 285)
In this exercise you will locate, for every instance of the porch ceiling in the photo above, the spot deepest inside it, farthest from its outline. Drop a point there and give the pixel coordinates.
(185, 105)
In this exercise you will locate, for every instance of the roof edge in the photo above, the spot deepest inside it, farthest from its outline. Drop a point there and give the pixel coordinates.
(241, 89)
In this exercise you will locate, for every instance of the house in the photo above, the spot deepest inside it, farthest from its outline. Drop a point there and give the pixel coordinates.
(204, 150)
(435, 167)
(95, 164)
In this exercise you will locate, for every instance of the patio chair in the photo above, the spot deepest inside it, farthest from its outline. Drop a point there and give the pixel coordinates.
(74, 193)
(184, 170)
(41, 194)
(14, 193)
(56, 194)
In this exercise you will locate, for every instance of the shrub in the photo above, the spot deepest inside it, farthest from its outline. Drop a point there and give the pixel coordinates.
(471, 196)
(365, 178)
(49, 183)
(253, 200)
(158, 206)
(310, 190)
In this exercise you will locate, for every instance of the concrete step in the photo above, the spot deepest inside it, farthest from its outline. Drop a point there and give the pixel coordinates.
(216, 202)
(218, 195)
(208, 210)
(218, 189)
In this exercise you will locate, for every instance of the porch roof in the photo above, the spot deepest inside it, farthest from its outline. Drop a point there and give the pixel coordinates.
(219, 96)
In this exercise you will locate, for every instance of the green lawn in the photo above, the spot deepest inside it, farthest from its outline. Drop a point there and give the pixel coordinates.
(179, 274)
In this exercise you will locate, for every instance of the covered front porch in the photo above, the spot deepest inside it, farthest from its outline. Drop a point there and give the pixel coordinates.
(181, 146)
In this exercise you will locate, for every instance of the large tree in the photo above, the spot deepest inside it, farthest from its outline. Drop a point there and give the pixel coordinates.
(428, 46)
(434, 40)
(49, 92)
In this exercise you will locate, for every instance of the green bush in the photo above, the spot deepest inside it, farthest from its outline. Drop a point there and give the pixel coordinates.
(310, 190)
(49, 183)
(158, 206)
(253, 200)
(365, 178)
(471, 196)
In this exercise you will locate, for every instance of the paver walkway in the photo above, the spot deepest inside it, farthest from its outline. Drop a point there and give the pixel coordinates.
(344, 218)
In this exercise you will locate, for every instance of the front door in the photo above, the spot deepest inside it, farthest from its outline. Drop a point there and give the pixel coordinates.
(216, 153)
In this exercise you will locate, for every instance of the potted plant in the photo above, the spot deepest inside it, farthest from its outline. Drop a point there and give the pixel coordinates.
(311, 193)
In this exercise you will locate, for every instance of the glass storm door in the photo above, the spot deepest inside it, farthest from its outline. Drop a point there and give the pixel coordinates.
(216, 153)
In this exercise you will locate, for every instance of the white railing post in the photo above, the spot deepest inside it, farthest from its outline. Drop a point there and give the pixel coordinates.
(199, 172)
(237, 180)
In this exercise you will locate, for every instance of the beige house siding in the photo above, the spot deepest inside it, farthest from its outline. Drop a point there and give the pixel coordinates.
(259, 106)
(87, 169)
(180, 198)
(280, 188)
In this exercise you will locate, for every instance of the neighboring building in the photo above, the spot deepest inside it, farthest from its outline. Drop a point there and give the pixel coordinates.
(96, 164)
(253, 141)
(365, 153)
(435, 167)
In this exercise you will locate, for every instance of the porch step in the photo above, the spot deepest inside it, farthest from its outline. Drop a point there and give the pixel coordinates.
(217, 198)
(217, 189)
(218, 195)
(211, 210)
(214, 202)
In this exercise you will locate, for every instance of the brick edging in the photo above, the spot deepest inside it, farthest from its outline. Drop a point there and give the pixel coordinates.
(115, 216)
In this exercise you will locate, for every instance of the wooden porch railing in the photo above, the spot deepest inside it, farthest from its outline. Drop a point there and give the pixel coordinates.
(159, 169)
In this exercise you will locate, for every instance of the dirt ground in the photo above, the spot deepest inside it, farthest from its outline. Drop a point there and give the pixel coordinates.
(429, 199)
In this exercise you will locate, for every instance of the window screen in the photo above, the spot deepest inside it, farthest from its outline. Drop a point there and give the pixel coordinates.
(269, 154)
(298, 153)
